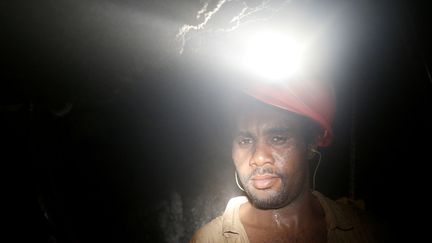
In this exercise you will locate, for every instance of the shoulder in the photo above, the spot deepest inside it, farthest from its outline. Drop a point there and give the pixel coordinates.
(228, 223)
(210, 232)
(348, 222)
(366, 225)
(342, 212)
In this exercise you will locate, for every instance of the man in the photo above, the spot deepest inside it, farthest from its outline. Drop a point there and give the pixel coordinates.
(278, 129)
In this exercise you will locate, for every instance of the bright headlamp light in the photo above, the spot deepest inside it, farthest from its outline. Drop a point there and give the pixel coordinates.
(272, 56)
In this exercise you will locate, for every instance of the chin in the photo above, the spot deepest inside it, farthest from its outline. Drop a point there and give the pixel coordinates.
(266, 204)
(266, 199)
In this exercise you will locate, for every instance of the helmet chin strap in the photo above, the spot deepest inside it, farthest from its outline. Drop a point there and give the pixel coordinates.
(237, 182)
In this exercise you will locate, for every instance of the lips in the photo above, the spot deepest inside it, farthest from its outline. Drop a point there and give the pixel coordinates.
(265, 181)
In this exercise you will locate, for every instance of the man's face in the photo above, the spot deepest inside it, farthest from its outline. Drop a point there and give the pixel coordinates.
(269, 153)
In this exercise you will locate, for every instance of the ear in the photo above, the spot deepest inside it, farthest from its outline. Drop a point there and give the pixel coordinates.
(324, 139)
(311, 148)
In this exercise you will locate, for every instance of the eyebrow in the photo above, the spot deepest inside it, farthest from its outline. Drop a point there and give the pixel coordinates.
(271, 130)
(245, 134)
(275, 130)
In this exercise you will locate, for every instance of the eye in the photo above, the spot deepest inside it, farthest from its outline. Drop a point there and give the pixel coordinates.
(245, 141)
(279, 139)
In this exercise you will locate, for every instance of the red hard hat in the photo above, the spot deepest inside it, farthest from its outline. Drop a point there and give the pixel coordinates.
(311, 99)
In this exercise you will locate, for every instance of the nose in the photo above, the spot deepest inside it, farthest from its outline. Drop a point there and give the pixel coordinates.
(261, 155)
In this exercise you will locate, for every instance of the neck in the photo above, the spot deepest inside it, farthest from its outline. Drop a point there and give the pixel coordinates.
(295, 215)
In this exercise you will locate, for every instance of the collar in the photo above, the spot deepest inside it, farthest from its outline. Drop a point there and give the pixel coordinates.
(335, 214)
(230, 219)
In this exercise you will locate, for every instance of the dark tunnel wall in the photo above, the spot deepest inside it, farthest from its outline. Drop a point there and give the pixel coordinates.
(109, 136)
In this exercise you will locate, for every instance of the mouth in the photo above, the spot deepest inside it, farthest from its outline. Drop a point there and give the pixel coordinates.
(265, 181)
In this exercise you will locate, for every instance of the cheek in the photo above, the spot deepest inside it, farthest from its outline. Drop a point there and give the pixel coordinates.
(283, 162)
(239, 156)
(280, 157)
(283, 155)
(288, 159)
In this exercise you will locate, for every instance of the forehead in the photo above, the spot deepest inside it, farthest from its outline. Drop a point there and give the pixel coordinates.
(262, 117)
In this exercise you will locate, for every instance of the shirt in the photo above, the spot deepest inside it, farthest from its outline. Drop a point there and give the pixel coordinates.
(344, 224)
